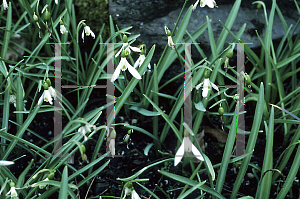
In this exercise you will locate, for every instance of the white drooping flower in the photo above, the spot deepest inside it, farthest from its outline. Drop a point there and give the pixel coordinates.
(43, 186)
(86, 129)
(123, 65)
(46, 96)
(87, 30)
(130, 190)
(209, 3)
(170, 40)
(186, 146)
(13, 100)
(207, 84)
(13, 193)
(63, 29)
(52, 92)
(127, 49)
(56, 1)
(140, 61)
(5, 5)
(112, 143)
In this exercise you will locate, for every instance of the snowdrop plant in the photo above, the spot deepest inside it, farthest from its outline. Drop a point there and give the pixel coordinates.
(187, 146)
(207, 84)
(127, 47)
(209, 3)
(123, 65)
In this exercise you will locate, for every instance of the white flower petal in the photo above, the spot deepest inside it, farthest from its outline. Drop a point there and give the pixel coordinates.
(210, 4)
(52, 92)
(197, 153)
(170, 42)
(135, 49)
(179, 154)
(117, 71)
(204, 91)
(56, 1)
(133, 71)
(5, 5)
(137, 63)
(134, 195)
(48, 97)
(214, 86)
(63, 29)
(82, 35)
(195, 5)
(119, 52)
(6, 163)
(199, 85)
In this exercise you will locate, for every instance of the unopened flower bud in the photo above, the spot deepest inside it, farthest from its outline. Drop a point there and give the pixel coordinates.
(46, 86)
(206, 74)
(12, 184)
(50, 176)
(48, 81)
(47, 15)
(35, 17)
(125, 39)
(123, 54)
(229, 53)
(248, 79)
(221, 110)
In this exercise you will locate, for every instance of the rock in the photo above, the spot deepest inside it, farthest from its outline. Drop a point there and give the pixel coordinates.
(149, 22)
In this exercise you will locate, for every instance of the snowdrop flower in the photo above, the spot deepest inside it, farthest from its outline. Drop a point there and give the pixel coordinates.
(127, 138)
(140, 61)
(6, 163)
(43, 186)
(56, 1)
(5, 5)
(170, 41)
(127, 49)
(187, 146)
(63, 29)
(209, 3)
(130, 190)
(112, 142)
(123, 65)
(86, 129)
(13, 100)
(206, 85)
(46, 96)
(13, 193)
(87, 31)
(49, 92)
